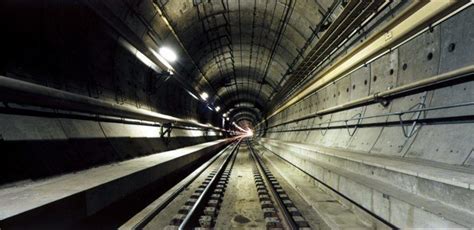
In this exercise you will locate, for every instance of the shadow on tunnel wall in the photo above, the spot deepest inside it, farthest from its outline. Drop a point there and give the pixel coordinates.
(35, 159)
(65, 45)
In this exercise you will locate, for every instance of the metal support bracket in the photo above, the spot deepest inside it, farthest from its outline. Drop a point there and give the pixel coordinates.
(325, 129)
(165, 132)
(359, 120)
(410, 131)
(383, 101)
(165, 74)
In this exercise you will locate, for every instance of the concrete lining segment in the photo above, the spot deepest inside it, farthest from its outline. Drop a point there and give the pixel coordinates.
(323, 203)
(398, 29)
(443, 173)
(93, 189)
(428, 212)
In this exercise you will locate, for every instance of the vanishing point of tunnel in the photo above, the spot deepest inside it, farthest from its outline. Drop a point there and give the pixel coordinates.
(236, 114)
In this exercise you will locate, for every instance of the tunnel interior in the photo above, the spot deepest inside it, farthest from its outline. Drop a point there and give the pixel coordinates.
(371, 101)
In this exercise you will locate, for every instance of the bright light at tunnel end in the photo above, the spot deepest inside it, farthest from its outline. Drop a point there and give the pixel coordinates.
(168, 54)
(248, 133)
(243, 132)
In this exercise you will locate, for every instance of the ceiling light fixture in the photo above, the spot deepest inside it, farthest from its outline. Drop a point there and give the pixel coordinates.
(218, 108)
(168, 54)
(204, 96)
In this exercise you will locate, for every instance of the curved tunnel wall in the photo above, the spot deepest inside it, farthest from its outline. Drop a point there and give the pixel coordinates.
(366, 162)
(65, 45)
(73, 47)
(427, 55)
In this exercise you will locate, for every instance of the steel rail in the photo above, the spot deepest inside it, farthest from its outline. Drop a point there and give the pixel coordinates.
(142, 222)
(287, 218)
(196, 208)
(375, 216)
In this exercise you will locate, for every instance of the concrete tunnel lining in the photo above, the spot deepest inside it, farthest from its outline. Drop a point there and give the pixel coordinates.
(387, 139)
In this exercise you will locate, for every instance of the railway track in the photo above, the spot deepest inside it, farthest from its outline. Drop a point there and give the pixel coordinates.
(203, 206)
(278, 209)
(234, 189)
(170, 203)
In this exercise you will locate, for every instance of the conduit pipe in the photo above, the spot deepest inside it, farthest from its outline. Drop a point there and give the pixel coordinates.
(420, 13)
(22, 92)
(435, 81)
(465, 72)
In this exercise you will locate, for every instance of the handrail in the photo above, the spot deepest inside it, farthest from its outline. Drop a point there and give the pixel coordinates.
(27, 93)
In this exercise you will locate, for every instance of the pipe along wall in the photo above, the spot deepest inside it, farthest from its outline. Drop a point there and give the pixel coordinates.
(83, 57)
(397, 158)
